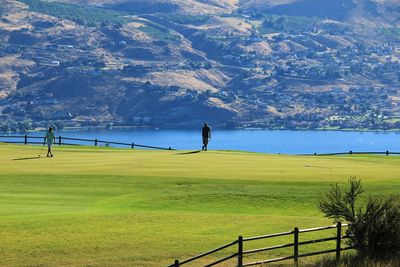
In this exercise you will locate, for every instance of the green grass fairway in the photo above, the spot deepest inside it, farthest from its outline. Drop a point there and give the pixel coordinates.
(112, 207)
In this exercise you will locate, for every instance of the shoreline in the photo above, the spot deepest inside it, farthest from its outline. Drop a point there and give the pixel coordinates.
(94, 128)
(133, 128)
(144, 128)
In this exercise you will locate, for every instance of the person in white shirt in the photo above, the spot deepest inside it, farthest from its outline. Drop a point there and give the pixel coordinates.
(49, 138)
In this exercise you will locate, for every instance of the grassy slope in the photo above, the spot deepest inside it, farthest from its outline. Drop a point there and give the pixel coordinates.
(83, 14)
(97, 207)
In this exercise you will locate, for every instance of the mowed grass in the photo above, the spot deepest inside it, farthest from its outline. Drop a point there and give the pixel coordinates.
(114, 207)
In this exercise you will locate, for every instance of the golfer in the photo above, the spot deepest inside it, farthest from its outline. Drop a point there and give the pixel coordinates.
(206, 133)
(49, 138)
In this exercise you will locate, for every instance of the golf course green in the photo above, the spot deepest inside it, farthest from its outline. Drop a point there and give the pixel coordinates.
(119, 207)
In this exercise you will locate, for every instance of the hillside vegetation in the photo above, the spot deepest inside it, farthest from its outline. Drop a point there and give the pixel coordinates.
(85, 15)
(105, 206)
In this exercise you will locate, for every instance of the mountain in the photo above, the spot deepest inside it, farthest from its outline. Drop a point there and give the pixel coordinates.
(174, 63)
(369, 12)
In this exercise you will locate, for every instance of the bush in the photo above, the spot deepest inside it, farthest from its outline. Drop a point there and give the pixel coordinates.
(58, 125)
(24, 126)
(4, 128)
(374, 227)
(350, 260)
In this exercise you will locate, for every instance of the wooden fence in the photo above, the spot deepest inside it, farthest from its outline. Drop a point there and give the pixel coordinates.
(25, 139)
(387, 153)
(241, 252)
(60, 140)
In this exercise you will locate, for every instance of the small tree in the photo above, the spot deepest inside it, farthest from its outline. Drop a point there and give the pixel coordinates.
(374, 228)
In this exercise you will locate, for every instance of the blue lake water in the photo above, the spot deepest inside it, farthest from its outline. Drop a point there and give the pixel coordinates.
(287, 142)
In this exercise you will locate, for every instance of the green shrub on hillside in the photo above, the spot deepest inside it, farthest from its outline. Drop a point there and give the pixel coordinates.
(158, 31)
(85, 15)
(159, 34)
(273, 23)
(187, 19)
(393, 31)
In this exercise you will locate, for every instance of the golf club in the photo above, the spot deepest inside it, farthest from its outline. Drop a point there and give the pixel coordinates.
(41, 151)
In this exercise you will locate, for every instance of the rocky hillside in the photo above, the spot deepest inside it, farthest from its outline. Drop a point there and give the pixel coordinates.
(175, 63)
(367, 12)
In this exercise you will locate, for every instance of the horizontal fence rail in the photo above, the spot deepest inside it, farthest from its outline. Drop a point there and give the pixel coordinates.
(60, 140)
(68, 141)
(387, 153)
(208, 253)
(295, 244)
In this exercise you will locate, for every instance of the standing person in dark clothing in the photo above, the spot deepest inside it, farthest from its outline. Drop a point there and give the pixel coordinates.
(206, 133)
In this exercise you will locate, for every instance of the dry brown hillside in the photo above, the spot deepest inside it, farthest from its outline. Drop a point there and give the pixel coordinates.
(168, 6)
(384, 12)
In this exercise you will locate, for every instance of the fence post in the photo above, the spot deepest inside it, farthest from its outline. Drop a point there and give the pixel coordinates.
(59, 140)
(133, 145)
(240, 251)
(338, 241)
(26, 139)
(176, 264)
(95, 142)
(296, 247)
